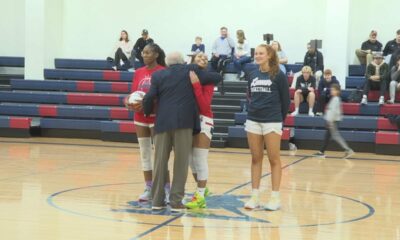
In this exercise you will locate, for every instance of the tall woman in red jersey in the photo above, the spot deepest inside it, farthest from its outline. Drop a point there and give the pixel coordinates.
(202, 141)
(154, 60)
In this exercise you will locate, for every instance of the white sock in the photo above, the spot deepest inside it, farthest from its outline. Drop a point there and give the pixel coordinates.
(255, 193)
(296, 110)
(201, 191)
(275, 194)
(310, 110)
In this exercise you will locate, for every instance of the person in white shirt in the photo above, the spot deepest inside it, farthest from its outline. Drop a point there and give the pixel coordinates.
(242, 53)
(222, 49)
(281, 55)
(121, 52)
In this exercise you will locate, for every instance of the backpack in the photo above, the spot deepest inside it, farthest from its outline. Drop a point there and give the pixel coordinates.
(355, 96)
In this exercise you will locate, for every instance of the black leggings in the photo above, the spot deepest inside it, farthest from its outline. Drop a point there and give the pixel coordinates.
(119, 55)
(375, 85)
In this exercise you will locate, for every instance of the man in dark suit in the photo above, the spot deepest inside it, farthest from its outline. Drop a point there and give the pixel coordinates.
(176, 121)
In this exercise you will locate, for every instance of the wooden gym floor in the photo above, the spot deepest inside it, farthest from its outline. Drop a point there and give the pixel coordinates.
(87, 190)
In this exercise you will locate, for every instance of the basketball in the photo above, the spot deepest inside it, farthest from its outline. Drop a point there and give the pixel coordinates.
(135, 97)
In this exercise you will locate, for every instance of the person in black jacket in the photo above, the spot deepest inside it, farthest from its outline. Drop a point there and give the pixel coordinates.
(176, 120)
(305, 91)
(391, 47)
(269, 103)
(141, 43)
(368, 47)
(315, 60)
(324, 90)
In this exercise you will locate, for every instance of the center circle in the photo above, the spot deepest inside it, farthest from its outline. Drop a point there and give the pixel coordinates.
(119, 207)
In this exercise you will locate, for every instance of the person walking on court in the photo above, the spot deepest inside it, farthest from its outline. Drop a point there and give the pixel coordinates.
(176, 120)
(269, 104)
(333, 115)
(154, 60)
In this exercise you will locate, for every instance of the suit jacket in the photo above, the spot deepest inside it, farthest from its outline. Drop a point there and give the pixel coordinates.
(177, 107)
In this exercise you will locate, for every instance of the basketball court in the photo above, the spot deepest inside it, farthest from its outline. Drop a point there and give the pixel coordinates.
(88, 189)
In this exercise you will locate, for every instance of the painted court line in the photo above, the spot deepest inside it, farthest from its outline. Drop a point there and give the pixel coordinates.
(227, 192)
(212, 150)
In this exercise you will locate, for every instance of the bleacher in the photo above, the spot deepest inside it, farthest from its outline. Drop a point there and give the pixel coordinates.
(84, 99)
(70, 103)
(364, 127)
(7, 63)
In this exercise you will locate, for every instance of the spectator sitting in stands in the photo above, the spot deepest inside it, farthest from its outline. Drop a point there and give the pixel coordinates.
(281, 55)
(324, 90)
(393, 59)
(121, 52)
(368, 48)
(222, 49)
(375, 78)
(140, 44)
(242, 53)
(391, 47)
(395, 81)
(198, 46)
(305, 91)
(313, 59)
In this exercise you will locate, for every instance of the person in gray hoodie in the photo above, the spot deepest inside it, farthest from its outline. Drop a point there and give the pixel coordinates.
(333, 115)
(395, 81)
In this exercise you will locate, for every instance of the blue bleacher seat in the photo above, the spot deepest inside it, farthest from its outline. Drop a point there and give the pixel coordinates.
(357, 70)
(355, 82)
(12, 62)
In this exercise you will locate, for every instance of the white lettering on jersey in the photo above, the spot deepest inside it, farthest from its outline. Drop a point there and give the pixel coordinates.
(261, 85)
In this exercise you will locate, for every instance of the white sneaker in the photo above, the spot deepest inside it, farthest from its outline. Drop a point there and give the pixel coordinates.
(390, 101)
(146, 195)
(381, 100)
(364, 101)
(273, 204)
(311, 114)
(114, 68)
(253, 203)
(295, 113)
(167, 192)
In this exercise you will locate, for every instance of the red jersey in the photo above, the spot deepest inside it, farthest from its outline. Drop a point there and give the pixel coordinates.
(204, 94)
(142, 82)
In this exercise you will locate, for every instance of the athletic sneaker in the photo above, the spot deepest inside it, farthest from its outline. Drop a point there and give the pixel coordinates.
(253, 203)
(390, 101)
(319, 154)
(364, 100)
(348, 154)
(311, 114)
(295, 113)
(319, 114)
(198, 201)
(146, 195)
(381, 100)
(178, 208)
(207, 192)
(273, 204)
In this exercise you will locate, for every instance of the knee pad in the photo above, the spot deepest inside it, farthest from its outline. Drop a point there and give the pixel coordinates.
(200, 157)
(191, 163)
(146, 153)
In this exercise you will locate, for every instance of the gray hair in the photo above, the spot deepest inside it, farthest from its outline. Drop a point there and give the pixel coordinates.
(174, 58)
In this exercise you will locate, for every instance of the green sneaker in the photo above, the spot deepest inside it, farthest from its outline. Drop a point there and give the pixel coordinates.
(207, 192)
(198, 201)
